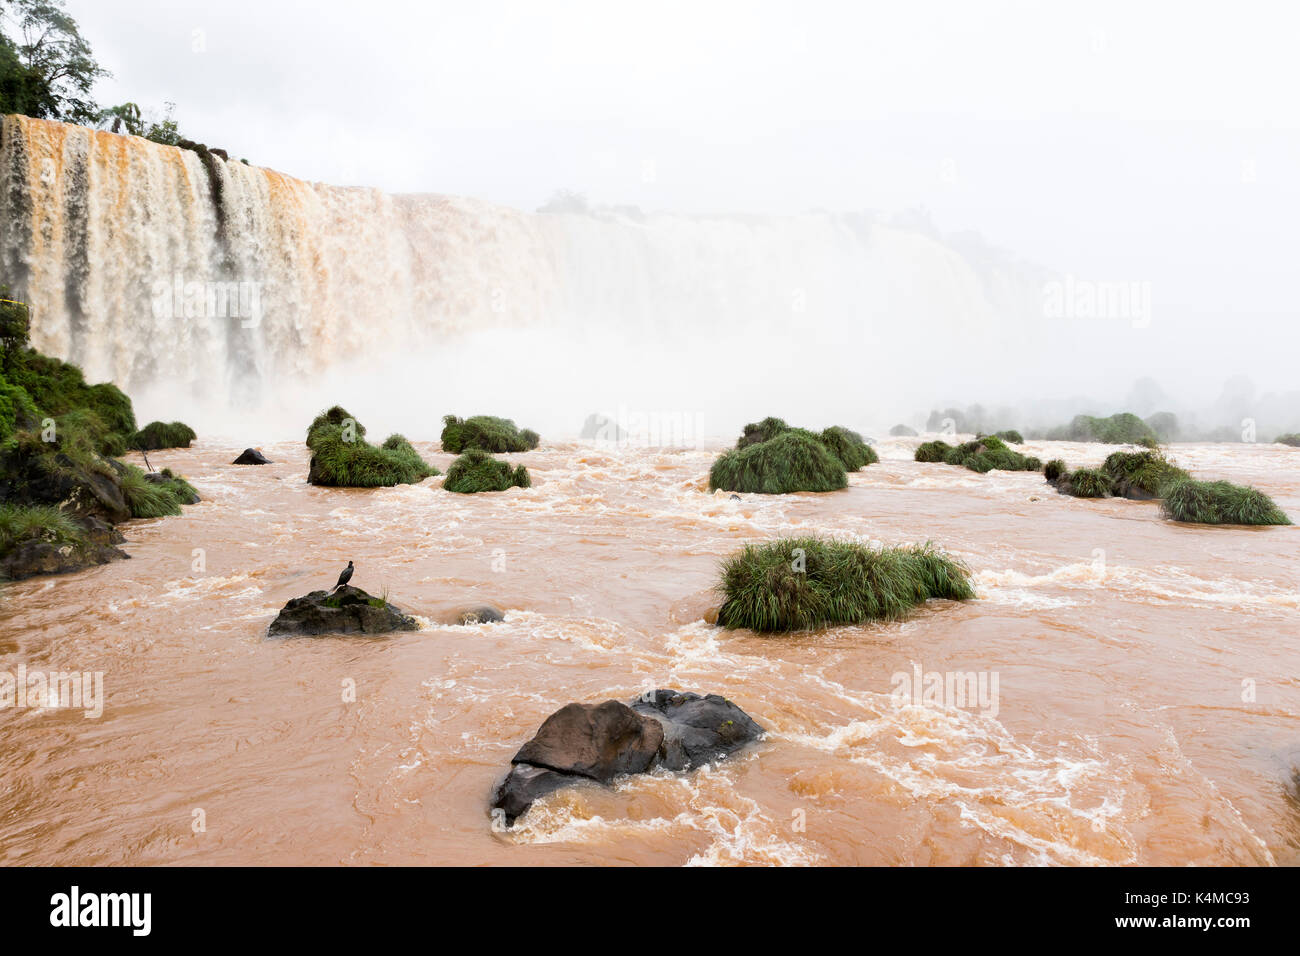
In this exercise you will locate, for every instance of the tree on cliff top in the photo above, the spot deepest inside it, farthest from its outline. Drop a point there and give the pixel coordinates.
(46, 65)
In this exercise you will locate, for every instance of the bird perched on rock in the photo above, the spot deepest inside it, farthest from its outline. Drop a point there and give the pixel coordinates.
(345, 577)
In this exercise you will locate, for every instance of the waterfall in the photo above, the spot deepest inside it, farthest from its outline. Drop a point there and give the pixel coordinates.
(220, 282)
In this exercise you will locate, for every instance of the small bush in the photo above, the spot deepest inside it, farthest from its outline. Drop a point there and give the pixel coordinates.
(1123, 428)
(477, 471)
(1220, 502)
(1011, 435)
(932, 451)
(990, 453)
(849, 447)
(1292, 439)
(1055, 469)
(1143, 472)
(792, 461)
(486, 433)
(1087, 483)
(158, 435)
(341, 458)
(801, 583)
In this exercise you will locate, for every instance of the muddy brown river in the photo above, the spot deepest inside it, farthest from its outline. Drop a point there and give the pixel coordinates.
(1147, 674)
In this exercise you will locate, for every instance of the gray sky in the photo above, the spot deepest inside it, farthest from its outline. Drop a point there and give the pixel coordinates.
(1152, 142)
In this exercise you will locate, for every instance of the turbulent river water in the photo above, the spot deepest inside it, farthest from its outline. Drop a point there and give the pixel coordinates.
(1147, 708)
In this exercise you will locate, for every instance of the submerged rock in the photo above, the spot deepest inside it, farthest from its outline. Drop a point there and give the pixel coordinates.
(347, 610)
(252, 456)
(480, 614)
(666, 728)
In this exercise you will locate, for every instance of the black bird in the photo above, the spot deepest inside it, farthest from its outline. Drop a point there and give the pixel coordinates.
(345, 577)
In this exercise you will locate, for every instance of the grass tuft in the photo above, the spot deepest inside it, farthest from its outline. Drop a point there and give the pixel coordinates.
(793, 460)
(1220, 502)
(486, 433)
(477, 471)
(801, 583)
(158, 435)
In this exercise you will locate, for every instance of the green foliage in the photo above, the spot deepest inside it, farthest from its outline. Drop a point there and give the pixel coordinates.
(1220, 502)
(932, 451)
(1123, 428)
(148, 499)
(1087, 483)
(477, 471)
(849, 447)
(15, 326)
(1292, 439)
(341, 457)
(158, 435)
(1011, 435)
(1164, 425)
(801, 583)
(1148, 472)
(46, 66)
(336, 417)
(791, 461)
(990, 453)
(20, 523)
(486, 433)
(1055, 469)
(56, 388)
(756, 432)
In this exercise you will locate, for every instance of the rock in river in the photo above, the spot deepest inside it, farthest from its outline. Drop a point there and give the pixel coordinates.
(252, 456)
(665, 728)
(347, 610)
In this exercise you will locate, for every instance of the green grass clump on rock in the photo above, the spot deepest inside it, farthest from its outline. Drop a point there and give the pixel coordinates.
(148, 499)
(20, 523)
(1087, 483)
(157, 435)
(1055, 469)
(1220, 502)
(486, 433)
(932, 451)
(1142, 474)
(1292, 439)
(1011, 435)
(791, 461)
(342, 458)
(990, 453)
(849, 447)
(477, 471)
(800, 583)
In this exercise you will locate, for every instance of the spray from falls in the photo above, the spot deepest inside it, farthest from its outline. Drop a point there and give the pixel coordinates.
(228, 294)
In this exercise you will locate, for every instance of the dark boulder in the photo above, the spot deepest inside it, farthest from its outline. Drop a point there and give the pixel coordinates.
(600, 741)
(252, 456)
(347, 610)
(665, 728)
(697, 730)
(480, 614)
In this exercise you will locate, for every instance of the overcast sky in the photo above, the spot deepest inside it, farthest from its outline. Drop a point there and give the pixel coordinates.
(1155, 142)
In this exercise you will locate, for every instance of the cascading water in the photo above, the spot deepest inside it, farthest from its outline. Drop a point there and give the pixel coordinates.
(199, 283)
